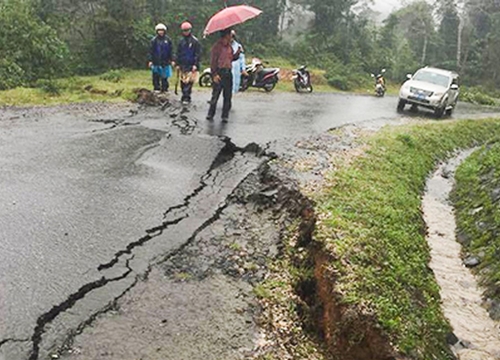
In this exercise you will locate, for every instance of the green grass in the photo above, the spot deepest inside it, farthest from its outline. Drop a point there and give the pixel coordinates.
(478, 96)
(72, 90)
(477, 201)
(118, 85)
(370, 220)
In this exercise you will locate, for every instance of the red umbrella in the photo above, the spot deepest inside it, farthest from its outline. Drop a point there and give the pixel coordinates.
(230, 16)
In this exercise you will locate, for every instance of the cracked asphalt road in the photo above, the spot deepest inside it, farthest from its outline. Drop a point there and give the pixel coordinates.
(91, 196)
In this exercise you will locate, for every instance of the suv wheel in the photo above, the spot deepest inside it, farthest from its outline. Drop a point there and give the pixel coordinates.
(439, 112)
(401, 105)
(449, 112)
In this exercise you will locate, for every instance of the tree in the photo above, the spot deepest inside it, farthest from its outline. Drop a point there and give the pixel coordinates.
(448, 34)
(30, 48)
(477, 39)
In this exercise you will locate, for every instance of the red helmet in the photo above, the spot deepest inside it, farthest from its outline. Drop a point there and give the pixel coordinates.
(185, 26)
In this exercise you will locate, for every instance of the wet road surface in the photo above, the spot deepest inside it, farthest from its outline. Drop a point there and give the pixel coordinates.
(92, 195)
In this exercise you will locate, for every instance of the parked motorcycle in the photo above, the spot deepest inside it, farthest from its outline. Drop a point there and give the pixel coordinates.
(259, 77)
(302, 80)
(379, 84)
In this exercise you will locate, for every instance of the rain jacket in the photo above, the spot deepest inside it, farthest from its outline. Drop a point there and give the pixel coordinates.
(188, 53)
(161, 51)
(239, 66)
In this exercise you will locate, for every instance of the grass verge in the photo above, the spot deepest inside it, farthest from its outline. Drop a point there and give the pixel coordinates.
(111, 87)
(477, 202)
(372, 259)
(118, 85)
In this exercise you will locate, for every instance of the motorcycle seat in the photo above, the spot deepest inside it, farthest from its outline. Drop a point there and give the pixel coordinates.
(268, 71)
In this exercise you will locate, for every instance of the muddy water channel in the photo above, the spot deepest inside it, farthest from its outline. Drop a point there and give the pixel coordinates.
(477, 335)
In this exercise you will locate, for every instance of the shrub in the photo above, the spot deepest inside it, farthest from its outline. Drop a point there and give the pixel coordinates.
(11, 75)
(50, 87)
(477, 96)
(345, 79)
(112, 76)
(338, 81)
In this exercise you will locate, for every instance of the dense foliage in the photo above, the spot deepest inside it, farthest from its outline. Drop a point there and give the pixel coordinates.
(46, 38)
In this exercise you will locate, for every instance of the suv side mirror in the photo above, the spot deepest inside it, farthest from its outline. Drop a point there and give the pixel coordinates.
(454, 87)
(409, 76)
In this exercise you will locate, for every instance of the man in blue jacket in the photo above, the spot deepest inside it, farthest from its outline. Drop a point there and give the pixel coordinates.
(160, 58)
(188, 60)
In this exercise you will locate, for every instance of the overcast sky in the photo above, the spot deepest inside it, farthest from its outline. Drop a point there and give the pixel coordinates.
(385, 7)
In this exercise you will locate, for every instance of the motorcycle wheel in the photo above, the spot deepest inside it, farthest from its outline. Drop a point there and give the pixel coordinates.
(205, 80)
(245, 83)
(309, 88)
(269, 87)
(297, 86)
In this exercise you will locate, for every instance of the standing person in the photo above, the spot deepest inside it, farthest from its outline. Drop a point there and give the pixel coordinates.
(239, 65)
(221, 60)
(160, 58)
(188, 60)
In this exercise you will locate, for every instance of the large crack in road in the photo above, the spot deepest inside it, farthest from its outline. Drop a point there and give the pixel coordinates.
(49, 316)
(214, 177)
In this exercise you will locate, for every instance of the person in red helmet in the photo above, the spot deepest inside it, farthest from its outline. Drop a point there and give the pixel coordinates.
(188, 60)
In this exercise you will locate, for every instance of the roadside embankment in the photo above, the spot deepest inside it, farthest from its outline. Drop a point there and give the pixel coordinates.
(477, 203)
(362, 269)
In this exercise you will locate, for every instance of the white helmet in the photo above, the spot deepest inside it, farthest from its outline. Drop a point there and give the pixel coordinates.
(161, 27)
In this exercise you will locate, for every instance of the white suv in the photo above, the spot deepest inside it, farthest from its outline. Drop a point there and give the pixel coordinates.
(431, 88)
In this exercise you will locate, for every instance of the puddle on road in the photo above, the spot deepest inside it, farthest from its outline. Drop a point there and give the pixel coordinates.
(479, 335)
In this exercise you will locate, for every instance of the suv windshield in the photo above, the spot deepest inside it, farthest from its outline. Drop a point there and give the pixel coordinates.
(433, 78)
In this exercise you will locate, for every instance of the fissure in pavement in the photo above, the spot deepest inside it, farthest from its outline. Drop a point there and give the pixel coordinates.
(226, 154)
(49, 316)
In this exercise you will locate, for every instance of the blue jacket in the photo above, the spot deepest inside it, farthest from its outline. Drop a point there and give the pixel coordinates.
(188, 53)
(160, 51)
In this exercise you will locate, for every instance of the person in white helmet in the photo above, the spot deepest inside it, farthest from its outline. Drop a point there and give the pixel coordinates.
(160, 58)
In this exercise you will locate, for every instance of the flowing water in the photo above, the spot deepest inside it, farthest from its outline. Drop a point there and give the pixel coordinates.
(462, 298)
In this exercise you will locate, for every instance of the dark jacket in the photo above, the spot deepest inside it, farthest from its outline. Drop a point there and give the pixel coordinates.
(188, 53)
(160, 51)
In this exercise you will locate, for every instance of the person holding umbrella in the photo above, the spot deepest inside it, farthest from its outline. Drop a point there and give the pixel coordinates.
(188, 60)
(160, 58)
(221, 64)
(222, 55)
